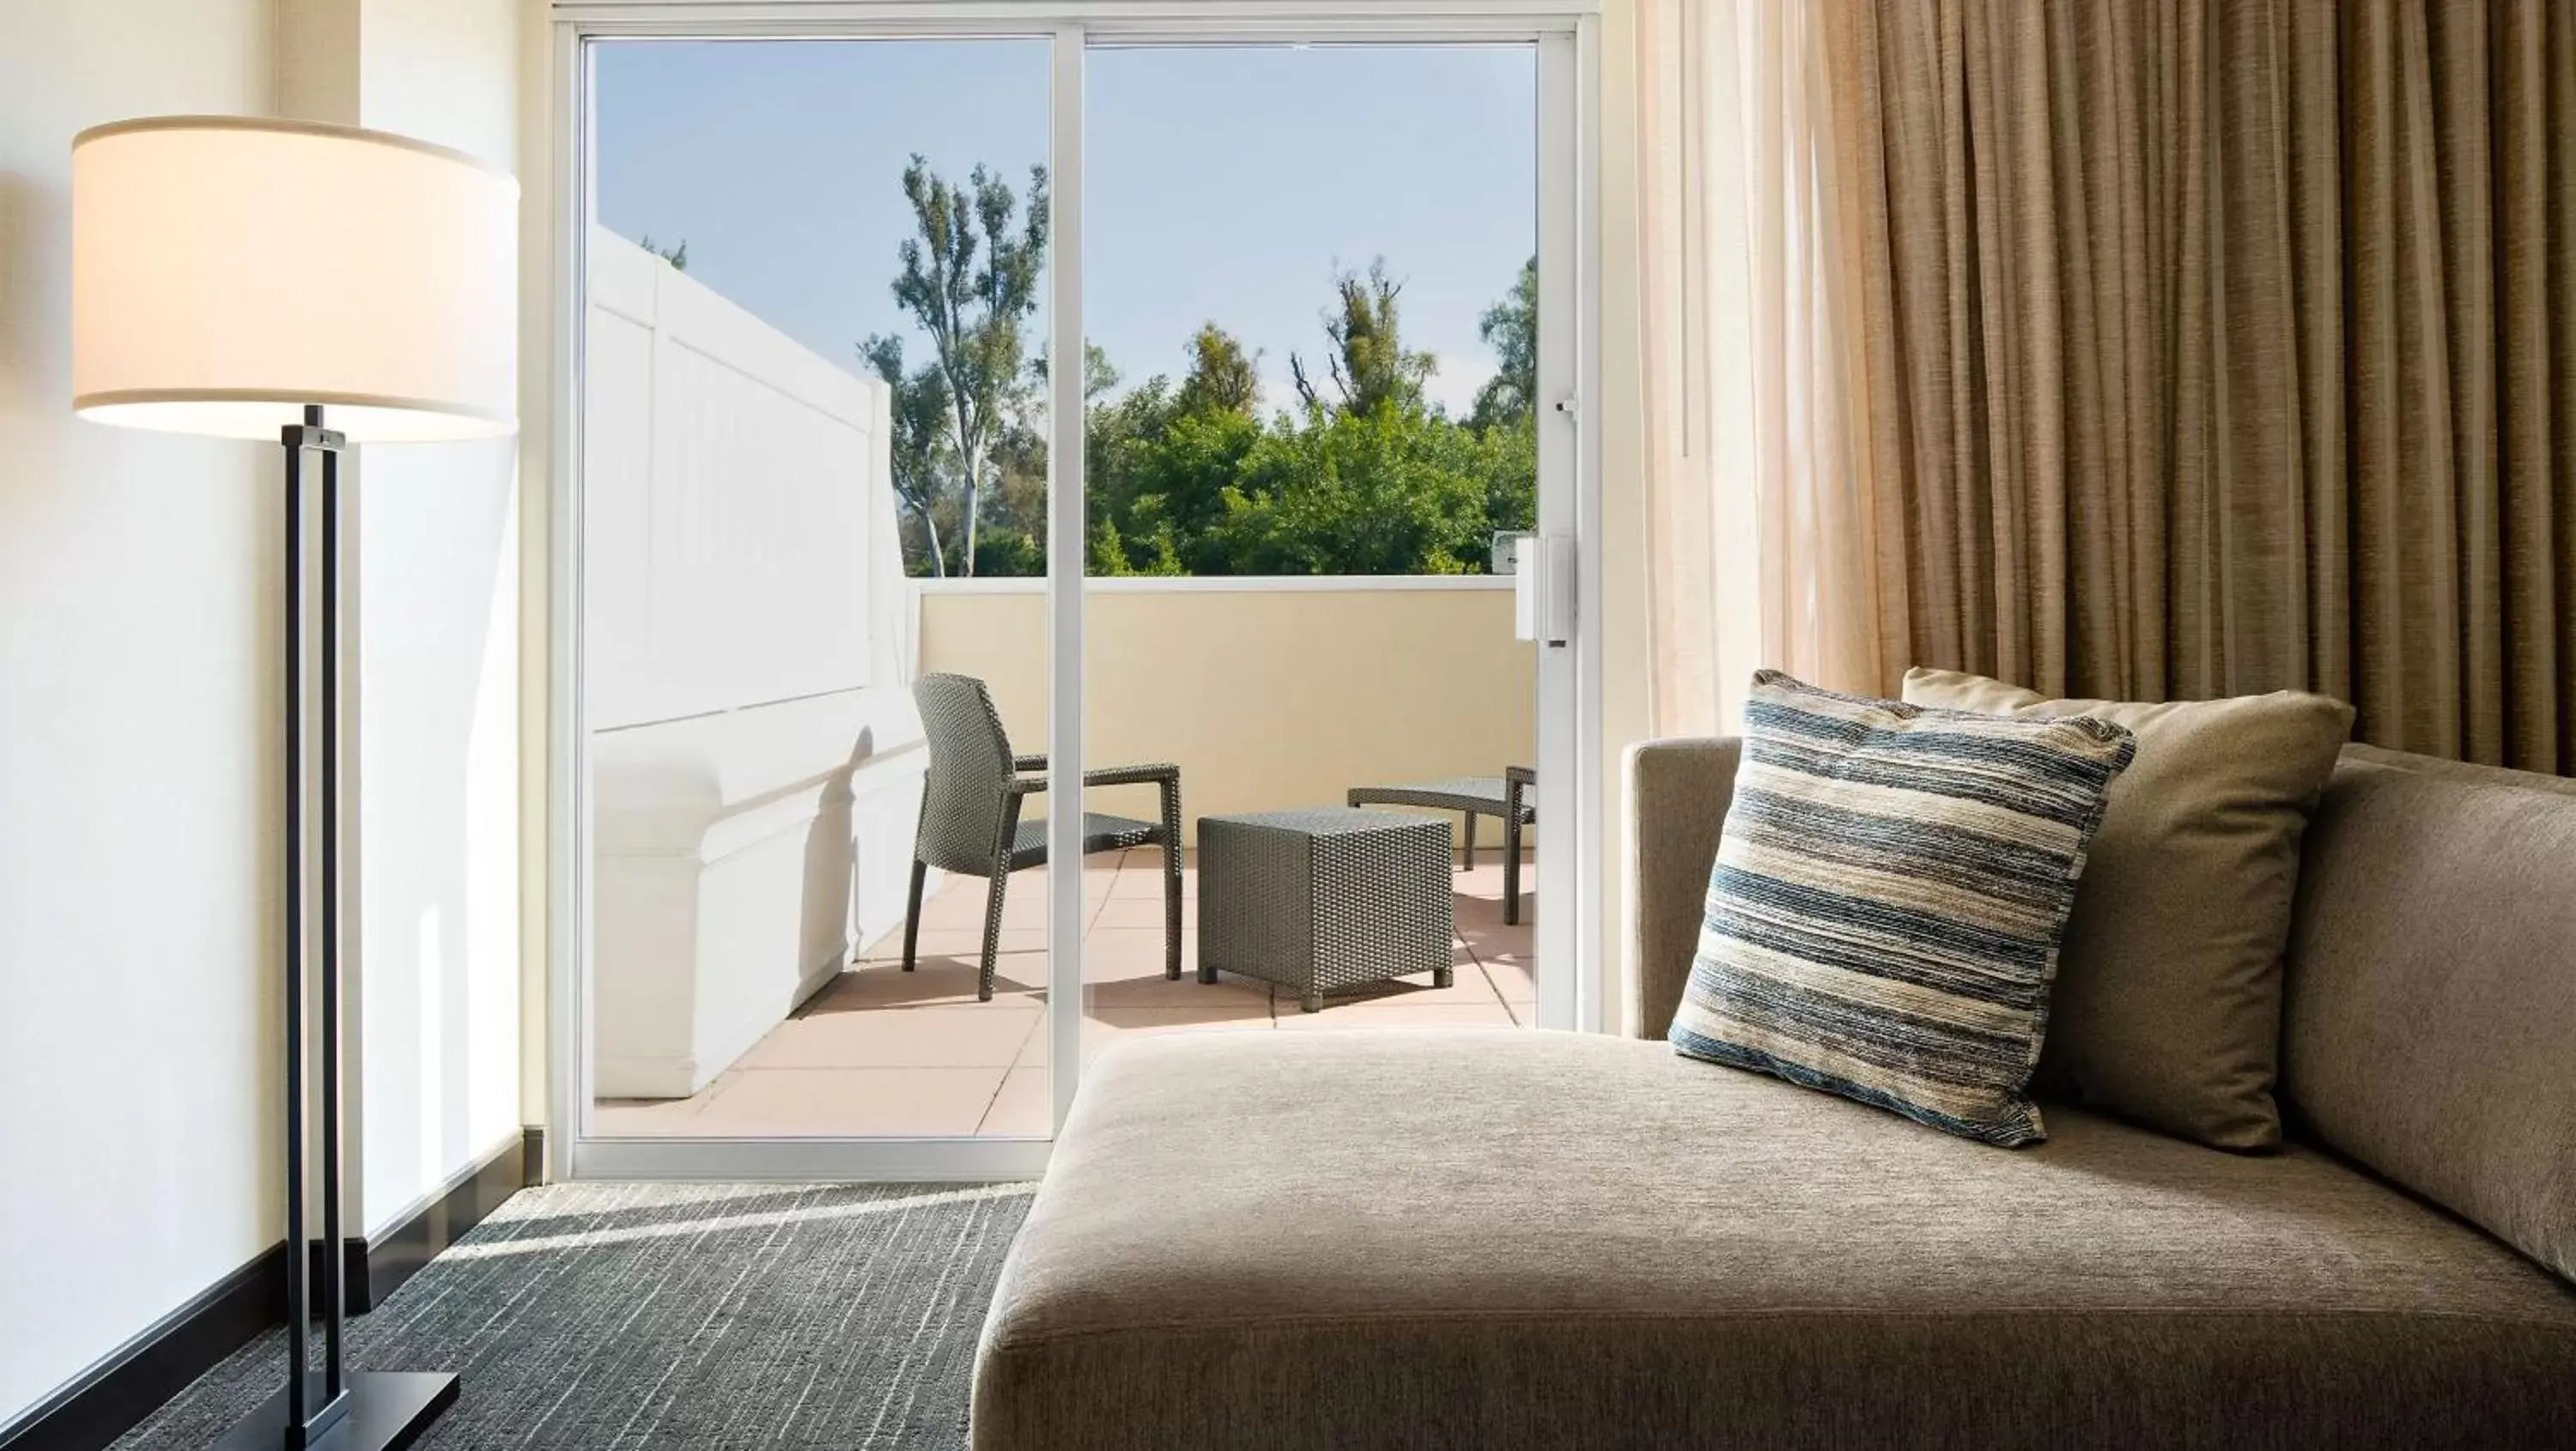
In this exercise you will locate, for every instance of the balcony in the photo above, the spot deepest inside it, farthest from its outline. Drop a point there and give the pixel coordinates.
(755, 758)
(1268, 694)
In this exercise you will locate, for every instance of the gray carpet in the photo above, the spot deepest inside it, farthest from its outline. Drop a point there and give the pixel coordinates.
(679, 1315)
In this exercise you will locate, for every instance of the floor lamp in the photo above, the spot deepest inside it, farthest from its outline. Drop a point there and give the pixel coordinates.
(315, 285)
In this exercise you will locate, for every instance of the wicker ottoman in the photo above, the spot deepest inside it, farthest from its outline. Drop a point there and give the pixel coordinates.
(1325, 898)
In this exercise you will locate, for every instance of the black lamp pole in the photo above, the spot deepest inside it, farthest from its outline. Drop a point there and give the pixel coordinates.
(363, 1410)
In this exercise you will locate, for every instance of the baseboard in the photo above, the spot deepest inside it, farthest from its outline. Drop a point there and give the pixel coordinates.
(379, 1266)
(130, 1382)
(111, 1397)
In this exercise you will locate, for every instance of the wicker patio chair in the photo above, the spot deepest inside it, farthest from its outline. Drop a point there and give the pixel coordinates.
(1511, 796)
(970, 815)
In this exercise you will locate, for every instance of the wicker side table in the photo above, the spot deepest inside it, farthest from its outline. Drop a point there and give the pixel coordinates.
(1325, 898)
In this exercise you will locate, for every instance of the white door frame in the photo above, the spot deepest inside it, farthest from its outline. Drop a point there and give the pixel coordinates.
(1566, 35)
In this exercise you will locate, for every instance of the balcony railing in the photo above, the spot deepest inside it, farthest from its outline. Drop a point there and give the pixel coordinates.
(1268, 693)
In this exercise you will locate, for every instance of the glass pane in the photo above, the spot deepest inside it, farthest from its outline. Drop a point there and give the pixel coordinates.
(812, 476)
(1309, 294)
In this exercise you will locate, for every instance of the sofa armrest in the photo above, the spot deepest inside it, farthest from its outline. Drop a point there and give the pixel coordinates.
(1678, 793)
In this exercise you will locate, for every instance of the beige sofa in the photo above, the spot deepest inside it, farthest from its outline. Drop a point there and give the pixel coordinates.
(1501, 1239)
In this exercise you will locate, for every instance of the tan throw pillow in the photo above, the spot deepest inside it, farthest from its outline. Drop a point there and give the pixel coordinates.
(2168, 1001)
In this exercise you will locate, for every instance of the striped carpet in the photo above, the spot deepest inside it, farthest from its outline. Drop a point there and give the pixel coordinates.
(679, 1315)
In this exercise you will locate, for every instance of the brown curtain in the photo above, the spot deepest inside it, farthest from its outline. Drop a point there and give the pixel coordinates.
(2219, 346)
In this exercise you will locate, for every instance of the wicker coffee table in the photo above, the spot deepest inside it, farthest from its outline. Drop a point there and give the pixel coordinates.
(1324, 898)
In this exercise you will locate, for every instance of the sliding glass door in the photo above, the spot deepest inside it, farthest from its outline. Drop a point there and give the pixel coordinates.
(904, 647)
(1310, 299)
(816, 321)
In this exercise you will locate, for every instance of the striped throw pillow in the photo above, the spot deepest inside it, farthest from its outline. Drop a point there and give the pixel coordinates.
(1884, 915)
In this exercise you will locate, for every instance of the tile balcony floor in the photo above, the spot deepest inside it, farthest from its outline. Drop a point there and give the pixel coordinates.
(880, 1051)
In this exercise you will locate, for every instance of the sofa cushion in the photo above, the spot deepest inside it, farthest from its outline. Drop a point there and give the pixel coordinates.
(2430, 1025)
(1884, 914)
(1428, 1239)
(2168, 1002)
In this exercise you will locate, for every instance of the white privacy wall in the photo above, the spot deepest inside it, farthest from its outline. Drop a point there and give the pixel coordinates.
(736, 503)
(138, 725)
(755, 760)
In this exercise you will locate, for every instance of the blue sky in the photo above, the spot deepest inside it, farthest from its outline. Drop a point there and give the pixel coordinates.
(1224, 184)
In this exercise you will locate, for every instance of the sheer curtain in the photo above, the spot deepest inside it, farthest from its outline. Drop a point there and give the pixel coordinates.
(1763, 534)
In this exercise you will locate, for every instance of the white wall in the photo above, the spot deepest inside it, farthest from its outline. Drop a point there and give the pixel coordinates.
(536, 541)
(138, 818)
(139, 1060)
(438, 1038)
(438, 701)
(445, 71)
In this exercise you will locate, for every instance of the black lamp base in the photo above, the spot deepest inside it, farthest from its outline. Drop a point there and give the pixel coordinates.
(388, 1409)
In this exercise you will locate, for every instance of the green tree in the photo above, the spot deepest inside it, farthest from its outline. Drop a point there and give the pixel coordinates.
(1507, 455)
(1368, 362)
(1506, 411)
(970, 281)
(1160, 459)
(1190, 477)
(1187, 475)
(1510, 328)
(1391, 491)
(1117, 435)
(1192, 480)
(923, 465)
(1372, 480)
(1013, 540)
(1222, 376)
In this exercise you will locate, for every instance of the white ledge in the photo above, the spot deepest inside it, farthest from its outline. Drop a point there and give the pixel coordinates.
(739, 857)
(662, 787)
(1147, 584)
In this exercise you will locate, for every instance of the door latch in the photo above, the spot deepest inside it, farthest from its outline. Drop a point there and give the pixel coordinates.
(1543, 588)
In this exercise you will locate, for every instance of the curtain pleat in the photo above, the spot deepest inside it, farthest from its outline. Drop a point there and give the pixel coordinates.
(2221, 347)
(2534, 87)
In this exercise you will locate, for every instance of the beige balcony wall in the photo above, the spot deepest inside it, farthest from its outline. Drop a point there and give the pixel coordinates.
(1267, 693)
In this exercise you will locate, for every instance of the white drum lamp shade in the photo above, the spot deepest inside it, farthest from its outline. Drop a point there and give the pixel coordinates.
(229, 271)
